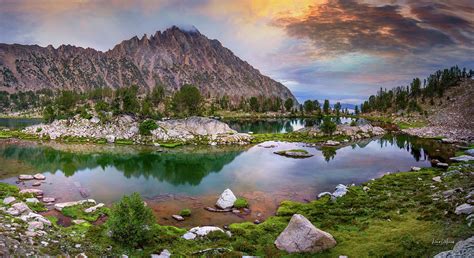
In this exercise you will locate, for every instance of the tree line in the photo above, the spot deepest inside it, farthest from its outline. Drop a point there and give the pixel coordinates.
(407, 97)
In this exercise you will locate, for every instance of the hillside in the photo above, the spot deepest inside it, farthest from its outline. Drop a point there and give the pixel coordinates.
(171, 58)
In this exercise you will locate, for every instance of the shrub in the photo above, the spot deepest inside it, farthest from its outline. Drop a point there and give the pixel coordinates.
(241, 203)
(39, 129)
(328, 126)
(353, 123)
(185, 212)
(147, 126)
(130, 221)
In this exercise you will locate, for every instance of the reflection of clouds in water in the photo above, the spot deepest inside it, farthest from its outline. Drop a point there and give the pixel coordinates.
(109, 176)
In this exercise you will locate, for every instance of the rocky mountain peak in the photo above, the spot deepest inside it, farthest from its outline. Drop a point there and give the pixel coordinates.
(173, 57)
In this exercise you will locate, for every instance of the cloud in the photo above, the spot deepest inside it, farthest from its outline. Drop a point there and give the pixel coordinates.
(346, 26)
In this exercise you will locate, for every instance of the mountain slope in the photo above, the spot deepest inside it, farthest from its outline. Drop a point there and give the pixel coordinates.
(172, 58)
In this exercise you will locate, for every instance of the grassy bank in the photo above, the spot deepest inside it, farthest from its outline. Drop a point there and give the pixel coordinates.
(398, 215)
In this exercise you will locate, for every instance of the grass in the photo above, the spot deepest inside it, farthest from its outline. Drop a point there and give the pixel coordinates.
(185, 212)
(295, 137)
(398, 216)
(8, 190)
(414, 124)
(77, 212)
(124, 142)
(241, 203)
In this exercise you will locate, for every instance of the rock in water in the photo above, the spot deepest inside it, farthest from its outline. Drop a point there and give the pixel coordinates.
(302, 236)
(25, 177)
(39, 177)
(226, 200)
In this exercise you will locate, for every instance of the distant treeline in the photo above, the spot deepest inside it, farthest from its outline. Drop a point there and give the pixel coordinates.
(154, 103)
(407, 98)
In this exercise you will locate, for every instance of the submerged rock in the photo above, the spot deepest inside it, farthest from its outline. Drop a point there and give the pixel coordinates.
(226, 200)
(302, 236)
(297, 154)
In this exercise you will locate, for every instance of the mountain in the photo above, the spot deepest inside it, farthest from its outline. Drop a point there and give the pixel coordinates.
(172, 58)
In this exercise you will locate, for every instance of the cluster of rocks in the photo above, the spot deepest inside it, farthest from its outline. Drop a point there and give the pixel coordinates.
(450, 135)
(353, 132)
(125, 127)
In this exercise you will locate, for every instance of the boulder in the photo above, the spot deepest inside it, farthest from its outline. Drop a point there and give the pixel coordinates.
(49, 199)
(94, 208)
(178, 217)
(35, 225)
(323, 194)
(464, 209)
(470, 152)
(36, 192)
(9, 200)
(25, 177)
(463, 248)
(341, 190)
(95, 120)
(164, 254)
(31, 216)
(21, 207)
(110, 138)
(331, 143)
(39, 177)
(60, 206)
(226, 200)
(442, 165)
(302, 236)
(200, 232)
(462, 158)
(32, 200)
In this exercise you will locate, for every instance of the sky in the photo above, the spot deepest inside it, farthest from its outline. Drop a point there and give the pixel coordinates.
(342, 50)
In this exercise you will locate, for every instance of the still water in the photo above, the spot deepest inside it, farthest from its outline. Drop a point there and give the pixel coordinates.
(282, 125)
(193, 177)
(18, 123)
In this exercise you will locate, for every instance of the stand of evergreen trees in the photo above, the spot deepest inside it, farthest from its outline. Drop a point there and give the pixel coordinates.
(407, 97)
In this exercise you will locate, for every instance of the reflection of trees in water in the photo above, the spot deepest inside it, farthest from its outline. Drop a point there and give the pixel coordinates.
(420, 149)
(328, 153)
(174, 168)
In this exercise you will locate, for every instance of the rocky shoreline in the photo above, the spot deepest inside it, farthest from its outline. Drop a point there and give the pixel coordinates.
(126, 128)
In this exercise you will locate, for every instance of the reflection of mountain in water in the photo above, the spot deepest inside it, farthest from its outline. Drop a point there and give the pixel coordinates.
(174, 168)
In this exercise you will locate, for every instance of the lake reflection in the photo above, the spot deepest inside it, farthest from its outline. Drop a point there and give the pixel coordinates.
(106, 176)
(282, 125)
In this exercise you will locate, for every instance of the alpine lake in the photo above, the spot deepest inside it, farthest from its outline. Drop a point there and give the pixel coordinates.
(194, 176)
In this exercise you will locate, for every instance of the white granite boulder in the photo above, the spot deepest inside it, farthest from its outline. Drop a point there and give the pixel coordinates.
(226, 200)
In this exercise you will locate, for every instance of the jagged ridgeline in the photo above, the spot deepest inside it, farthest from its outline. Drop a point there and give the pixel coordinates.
(170, 58)
(418, 92)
